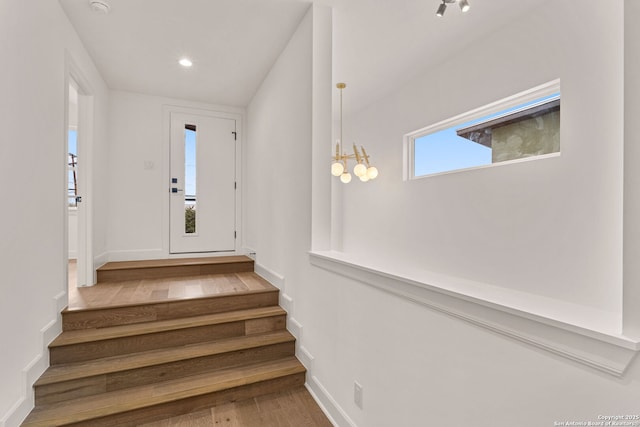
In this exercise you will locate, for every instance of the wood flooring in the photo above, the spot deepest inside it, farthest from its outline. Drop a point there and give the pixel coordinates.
(192, 350)
(292, 408)
(128, 292)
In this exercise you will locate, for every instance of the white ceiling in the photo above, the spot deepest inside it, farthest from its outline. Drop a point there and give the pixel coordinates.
(233, 43)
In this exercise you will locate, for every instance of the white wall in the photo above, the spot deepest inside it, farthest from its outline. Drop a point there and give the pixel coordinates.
(549, 227)
(419, 366)
(277, 173)
(135, 193)
(138, 194)
(631, 171)
(33, 38)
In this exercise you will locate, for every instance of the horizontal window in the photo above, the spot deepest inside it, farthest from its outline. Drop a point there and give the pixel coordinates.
(522, 126)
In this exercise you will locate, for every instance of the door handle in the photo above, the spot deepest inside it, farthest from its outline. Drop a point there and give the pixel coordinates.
(175, 190)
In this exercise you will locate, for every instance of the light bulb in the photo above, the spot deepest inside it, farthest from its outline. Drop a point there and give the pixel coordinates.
(364, 177)
(359, 169)
(345, 177)
(464, 5)
(372, 172)
(337, 168)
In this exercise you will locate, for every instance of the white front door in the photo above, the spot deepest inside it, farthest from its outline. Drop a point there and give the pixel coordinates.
(202, 184)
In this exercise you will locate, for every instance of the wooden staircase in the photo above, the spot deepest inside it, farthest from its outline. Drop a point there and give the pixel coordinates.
(129, 364)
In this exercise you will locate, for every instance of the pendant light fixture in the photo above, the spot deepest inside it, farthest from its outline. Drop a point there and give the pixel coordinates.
(339, 166)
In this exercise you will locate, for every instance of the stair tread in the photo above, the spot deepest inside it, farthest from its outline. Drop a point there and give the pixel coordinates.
(111, 332)
(87, 408)
(73, 371)
(261, 287)
(173, 262)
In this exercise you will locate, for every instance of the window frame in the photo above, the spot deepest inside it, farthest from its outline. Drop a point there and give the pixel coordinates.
(524, 97)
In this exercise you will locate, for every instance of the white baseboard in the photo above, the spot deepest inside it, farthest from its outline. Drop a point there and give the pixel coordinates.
(30, 373)
(250, 252)
(270, 276)
(294, 327)
(135, 255)
(328, 404)
(146, 254)
(100, 260)
(304, 356)
(286, 302)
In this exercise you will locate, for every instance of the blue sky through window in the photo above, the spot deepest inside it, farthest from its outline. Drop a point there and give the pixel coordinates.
(73, 141)
(444, 150)
(190, 163)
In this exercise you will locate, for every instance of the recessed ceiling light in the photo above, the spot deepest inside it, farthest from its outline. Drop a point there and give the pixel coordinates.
(185, 62)
(100, 6)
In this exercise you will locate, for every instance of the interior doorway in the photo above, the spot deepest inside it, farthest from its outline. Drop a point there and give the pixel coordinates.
(73, 194)
(78, 255)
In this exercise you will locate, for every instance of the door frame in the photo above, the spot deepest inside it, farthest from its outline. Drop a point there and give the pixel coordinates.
(214, 111)
(86, 275)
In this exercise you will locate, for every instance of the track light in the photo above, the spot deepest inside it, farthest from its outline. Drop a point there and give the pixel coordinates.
(464, 6)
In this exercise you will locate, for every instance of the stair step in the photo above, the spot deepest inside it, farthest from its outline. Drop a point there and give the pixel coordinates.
(174, 267)
(101, 317)
(87, 344)
(70, 381)
(169, 398)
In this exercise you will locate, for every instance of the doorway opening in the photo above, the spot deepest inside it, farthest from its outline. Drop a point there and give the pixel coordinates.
(78, 247)
(73, 195)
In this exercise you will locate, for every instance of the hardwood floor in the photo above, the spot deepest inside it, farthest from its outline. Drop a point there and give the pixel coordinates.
(156, 299)
(157, 290)
(292, 408)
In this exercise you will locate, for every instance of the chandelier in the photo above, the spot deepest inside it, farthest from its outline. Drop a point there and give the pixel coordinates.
(339, 167)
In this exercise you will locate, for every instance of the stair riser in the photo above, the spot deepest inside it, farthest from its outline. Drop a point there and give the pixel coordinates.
(164, 339)
(100, 318)
(193, 404)
(173, 271)
(58, 392)
(235, 355)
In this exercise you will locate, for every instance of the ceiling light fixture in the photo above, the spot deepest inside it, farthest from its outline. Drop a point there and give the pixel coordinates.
(100, 6)
(464, 6)
(185, 62)
(362, 169)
